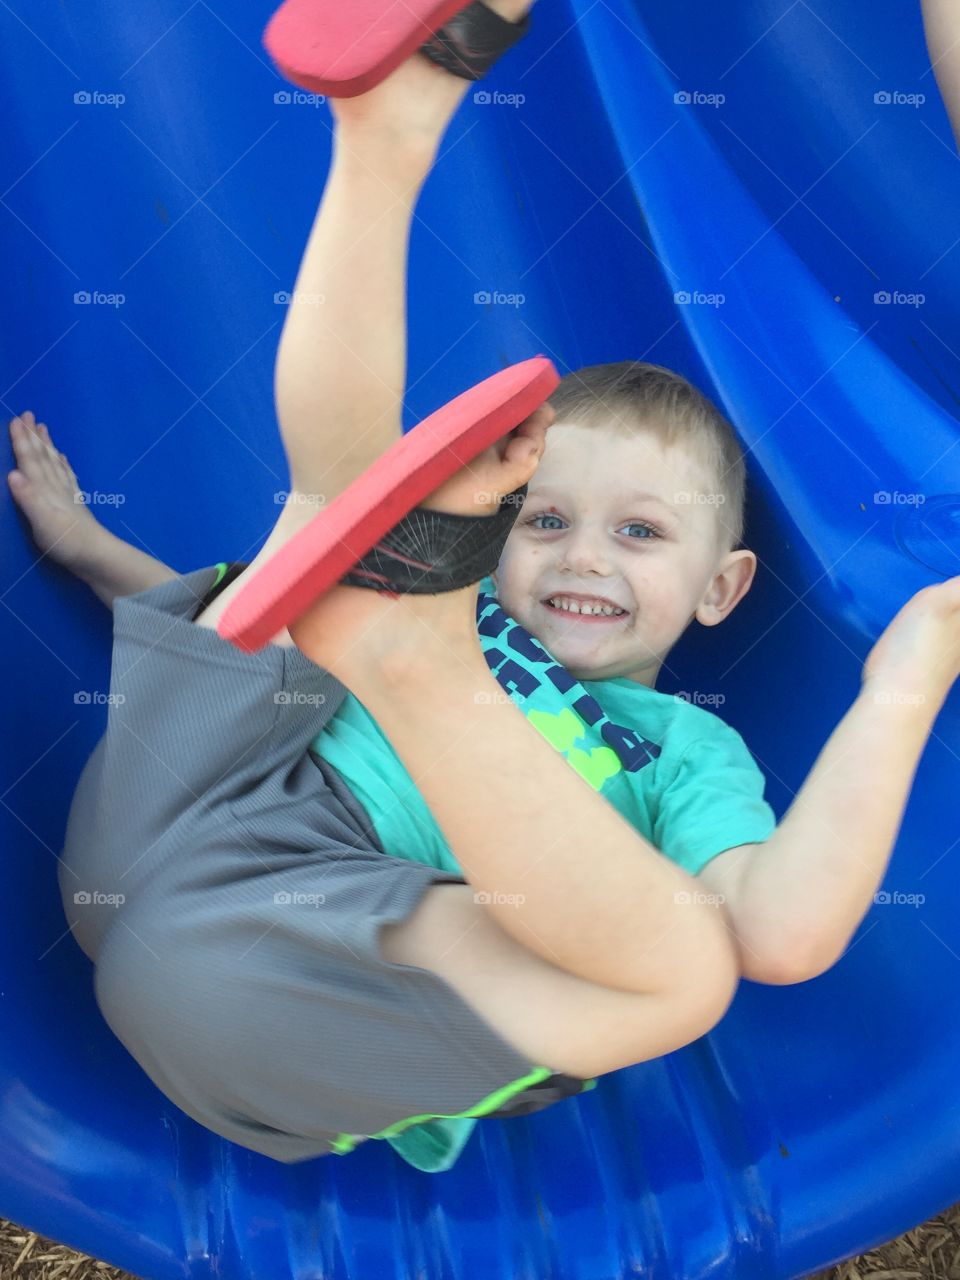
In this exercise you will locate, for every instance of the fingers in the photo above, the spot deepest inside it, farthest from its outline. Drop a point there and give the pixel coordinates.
(32, 445)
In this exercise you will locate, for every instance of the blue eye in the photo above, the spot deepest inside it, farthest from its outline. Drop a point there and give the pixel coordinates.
(634, 524)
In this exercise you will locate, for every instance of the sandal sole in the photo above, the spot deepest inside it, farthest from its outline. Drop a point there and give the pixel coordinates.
(323, 551)
(342, 48)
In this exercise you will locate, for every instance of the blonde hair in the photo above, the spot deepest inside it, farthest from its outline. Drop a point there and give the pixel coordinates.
(632, 396)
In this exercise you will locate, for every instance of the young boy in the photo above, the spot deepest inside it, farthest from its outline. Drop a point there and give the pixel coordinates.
(300, 962)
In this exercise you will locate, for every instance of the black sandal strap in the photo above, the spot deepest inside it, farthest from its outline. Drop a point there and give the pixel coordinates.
(473, 40)
(426, 553)
(430, 552)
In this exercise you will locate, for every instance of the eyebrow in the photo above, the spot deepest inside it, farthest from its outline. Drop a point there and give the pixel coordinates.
(633, 496)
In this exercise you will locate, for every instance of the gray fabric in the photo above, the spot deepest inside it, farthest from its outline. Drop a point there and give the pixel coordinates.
(276, 1024)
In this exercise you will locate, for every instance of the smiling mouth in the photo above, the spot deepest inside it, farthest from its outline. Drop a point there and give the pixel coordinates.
(584, 617)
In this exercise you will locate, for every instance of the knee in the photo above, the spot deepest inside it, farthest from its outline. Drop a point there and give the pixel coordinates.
(714, 989)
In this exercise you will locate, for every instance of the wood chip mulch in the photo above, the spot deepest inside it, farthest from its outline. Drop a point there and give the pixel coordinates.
(930, 1251)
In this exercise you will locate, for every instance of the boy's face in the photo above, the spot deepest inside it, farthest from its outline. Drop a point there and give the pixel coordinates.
(581, 531)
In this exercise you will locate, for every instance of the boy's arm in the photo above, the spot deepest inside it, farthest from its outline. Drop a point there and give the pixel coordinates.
(806, 889)
(62, 524)
(112, 568)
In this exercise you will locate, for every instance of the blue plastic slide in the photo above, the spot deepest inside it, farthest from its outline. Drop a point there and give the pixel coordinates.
(764, 196)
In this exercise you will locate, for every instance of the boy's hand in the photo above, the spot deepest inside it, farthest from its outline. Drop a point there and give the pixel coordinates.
(46, 490)
(919, 651)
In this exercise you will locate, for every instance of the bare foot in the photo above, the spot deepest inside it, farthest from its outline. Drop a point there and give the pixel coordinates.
(419, 98)
(46, 490)
(355, 632)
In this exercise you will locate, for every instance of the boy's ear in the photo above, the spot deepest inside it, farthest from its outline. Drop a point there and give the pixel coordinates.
(729, 586)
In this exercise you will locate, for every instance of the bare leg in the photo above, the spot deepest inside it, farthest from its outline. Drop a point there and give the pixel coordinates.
(341, 363)
(942, 25)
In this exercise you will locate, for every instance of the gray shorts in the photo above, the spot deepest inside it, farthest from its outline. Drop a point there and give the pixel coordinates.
(230, 889)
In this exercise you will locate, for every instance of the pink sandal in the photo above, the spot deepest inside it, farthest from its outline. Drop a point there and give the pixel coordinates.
(342, 48)
(371, 536)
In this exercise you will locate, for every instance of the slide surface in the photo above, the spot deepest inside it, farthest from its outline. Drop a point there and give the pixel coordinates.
(761, 196)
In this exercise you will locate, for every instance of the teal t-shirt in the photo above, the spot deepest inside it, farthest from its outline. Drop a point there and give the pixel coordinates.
(677, 772)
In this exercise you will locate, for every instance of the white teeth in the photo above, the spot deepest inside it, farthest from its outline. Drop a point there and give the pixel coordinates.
(574, 606)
